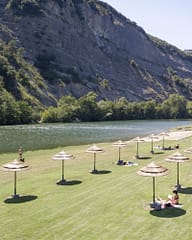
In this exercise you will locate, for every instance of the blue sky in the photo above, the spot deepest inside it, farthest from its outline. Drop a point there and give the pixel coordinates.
(169, 20)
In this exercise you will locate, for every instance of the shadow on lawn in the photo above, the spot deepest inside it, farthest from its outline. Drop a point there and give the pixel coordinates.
(142, 157)
(187, 190)
(168, 212)
(69, 182)
(156, 153)
(20, 199)
(99, 172)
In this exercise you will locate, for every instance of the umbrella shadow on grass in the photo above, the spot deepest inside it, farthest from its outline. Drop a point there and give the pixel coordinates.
(168, 212)
(20, 199)
(69, 182)
(143, 157)
(187, 190)
(156, 153)
(100, 172)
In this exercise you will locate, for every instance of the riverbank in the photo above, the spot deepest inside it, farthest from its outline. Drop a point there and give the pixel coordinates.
(169, 135)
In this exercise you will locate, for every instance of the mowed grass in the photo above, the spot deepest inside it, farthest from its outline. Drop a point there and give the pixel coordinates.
(113, 205)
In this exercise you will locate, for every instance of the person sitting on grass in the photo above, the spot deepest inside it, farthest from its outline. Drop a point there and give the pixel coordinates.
(177, 146)
(170, 202)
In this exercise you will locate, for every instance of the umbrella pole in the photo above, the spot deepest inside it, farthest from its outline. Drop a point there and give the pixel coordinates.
(152, 146)
(137, 154)
(15, 185)
(153, 189)
(62, 173)
(94, 165)
(119, 153)
(62, 181)
(178, 185)
(163, 147)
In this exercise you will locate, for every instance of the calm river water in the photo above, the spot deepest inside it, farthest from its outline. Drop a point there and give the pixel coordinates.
(44, 136)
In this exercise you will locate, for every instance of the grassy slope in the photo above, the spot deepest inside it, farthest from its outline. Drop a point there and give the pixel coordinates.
(104, 206)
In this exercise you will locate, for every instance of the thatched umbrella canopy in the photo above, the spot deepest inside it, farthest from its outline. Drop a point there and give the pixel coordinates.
(153, 170)
(15, 166)
(177, 158)
(119, 144)
(61, 156)
(94, 149)
(138, 140)
(163, 134)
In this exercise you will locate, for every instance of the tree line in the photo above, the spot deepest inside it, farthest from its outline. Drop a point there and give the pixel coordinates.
(87, 108)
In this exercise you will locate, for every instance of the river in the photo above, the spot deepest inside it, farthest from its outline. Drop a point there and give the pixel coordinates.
(45, 136)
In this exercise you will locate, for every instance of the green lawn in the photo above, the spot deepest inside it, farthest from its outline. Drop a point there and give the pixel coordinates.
(109, 206)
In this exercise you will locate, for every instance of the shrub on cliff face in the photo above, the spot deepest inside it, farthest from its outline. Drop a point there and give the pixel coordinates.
(25, 7)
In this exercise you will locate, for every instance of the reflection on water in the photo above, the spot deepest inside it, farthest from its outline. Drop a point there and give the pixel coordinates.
(43, 136)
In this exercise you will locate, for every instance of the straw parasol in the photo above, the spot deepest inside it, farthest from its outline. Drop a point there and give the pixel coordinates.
(15, 166)
(178, 158)
(153, 170)
(153, 136)
(138, 140)
(61, 156)
(163, 134)
(119, 144)
(94, 149)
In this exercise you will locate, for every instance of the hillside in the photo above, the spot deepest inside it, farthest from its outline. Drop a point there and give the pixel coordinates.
(72, 47)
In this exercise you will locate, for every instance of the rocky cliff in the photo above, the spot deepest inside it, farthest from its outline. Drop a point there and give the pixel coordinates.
(85, 45)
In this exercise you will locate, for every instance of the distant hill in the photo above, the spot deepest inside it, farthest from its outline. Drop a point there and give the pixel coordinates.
(72, 47)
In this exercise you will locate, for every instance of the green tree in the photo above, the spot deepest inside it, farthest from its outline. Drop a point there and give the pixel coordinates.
(138, 110)
(68, 107)
(50, 115)
(88, 110)
(120, 109)
(25, 112)
(105, 109)
(9, 109)
(149, 110)
(189, 108)
(174, 107)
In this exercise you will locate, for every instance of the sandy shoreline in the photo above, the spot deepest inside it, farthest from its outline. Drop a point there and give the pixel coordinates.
(177, 135)
(172, 135)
